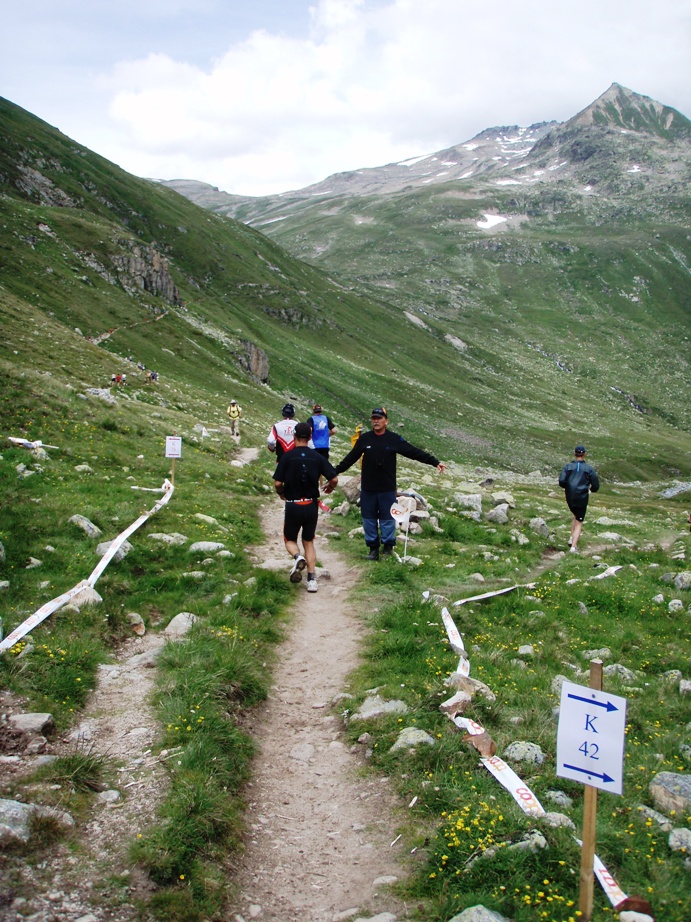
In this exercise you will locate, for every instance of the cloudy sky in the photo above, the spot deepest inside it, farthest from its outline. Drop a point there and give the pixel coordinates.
(263, 96)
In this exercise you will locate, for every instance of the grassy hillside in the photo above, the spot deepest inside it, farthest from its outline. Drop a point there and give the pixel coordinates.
(186, 291)
(97, 266)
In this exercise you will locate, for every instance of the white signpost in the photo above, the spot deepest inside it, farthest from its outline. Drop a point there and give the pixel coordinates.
(590, 749)
(173, 451)
(590, 737)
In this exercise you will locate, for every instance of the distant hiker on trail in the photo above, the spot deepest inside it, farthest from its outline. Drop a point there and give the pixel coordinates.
(322, 430)
(281, 438)
(378, 449)
(296, 480)
(234, 412)
(578, 479)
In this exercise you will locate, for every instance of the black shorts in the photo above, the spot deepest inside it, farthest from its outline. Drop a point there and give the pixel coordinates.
(299, 516)
(323, 451)
(578, 509)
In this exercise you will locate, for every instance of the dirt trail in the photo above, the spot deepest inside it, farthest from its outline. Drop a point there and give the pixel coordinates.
(320, 836)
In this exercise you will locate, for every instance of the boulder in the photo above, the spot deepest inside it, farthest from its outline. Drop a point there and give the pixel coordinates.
(173, 539)
(522, 751)
(180, 625)
(205, 547)
(683, 580)
(86, 596)
(351, 488)
(626, 675)
(124, 549)
(503, 497)
(410, 737)
(648, 814)
(375, 706)
(539, 526)
(671, 791)
(479, 914)
(34, 723)
(469, 501)
(15, 820)
(93, 531)
(680, 840)
(499, 515)
(558, 819)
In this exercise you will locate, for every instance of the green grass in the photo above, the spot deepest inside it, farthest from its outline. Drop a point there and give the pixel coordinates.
(407, 657)
(562, 290)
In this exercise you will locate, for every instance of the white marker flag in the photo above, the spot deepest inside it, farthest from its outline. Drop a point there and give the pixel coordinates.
(401, 514)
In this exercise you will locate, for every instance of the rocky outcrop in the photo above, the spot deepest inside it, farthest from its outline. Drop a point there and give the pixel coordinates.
(255, 361)
(39, 188)
(145, 269)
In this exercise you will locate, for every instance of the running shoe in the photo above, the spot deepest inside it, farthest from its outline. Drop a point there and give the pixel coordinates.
(298, 566)
(312, 585)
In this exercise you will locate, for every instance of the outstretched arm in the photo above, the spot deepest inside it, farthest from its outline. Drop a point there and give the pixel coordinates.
(350, 458)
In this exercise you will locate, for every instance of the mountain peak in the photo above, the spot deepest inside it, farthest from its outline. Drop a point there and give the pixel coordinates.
(621, 108)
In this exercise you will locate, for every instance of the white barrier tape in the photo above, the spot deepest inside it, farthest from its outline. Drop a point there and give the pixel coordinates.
(117, 543)
(610, 571)
(41, 615)
(489, 595)
(471, 727)
(520, 792)
(452, 632)
(612, 889)
(45, 610)
(25, 443)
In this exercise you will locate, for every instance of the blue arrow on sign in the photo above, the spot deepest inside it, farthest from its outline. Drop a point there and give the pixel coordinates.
(600, 704)
(586, 771)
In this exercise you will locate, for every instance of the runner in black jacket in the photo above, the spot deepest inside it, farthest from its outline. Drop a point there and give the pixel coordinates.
(578, 479)
(378, 449)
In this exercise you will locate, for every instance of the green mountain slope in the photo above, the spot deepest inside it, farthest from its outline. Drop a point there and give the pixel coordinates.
(567, 321)
(566, 273)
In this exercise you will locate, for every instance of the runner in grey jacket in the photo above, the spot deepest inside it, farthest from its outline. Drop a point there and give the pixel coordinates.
(579, 480)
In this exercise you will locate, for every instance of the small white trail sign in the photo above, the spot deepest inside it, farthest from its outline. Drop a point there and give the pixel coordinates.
(590, 737)
(173, 446)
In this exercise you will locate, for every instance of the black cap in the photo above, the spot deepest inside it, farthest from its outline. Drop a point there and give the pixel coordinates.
(303, 431)
(579, 450)
(288, 410)
(379, 411)
(317, 408)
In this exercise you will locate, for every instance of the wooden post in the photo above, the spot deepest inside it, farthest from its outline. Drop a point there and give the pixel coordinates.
(172, 467)
(585, 903)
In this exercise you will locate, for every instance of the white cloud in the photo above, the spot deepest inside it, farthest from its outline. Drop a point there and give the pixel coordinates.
(367, 82)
